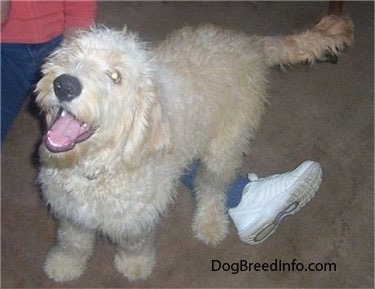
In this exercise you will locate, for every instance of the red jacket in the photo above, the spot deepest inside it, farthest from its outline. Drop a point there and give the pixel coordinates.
(40, 21)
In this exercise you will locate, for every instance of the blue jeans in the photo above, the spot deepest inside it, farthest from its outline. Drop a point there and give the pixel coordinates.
(20, 70)
(234, 191)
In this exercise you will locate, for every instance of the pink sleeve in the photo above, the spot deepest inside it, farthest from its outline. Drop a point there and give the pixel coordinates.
(79, 13)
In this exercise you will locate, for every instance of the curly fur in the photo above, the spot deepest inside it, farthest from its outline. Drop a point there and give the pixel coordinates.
(199, 94)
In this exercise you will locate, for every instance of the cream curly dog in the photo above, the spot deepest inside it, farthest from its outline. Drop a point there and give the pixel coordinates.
(125, 119)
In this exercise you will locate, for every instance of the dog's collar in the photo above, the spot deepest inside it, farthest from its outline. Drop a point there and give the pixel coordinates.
(90, 177)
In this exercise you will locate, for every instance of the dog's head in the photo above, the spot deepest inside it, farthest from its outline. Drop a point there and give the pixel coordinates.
(98, 95)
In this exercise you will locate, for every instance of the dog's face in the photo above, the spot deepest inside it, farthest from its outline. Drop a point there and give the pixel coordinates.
(97, 92)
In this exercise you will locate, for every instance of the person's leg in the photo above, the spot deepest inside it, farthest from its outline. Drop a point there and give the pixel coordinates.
(41, 51)
(257, 206)
(20, 70)
(234, 191)
(16, 71)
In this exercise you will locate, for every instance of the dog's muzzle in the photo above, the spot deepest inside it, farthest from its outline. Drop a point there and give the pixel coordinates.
(66, 130)
(67, 87)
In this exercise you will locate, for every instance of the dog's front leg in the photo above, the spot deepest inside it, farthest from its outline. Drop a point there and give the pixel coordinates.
(67, 260)
(135, 258)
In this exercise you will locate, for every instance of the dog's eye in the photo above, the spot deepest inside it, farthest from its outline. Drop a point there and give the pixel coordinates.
(115, 76)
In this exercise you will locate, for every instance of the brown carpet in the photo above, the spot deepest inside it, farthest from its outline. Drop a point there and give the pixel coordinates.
(324, 113)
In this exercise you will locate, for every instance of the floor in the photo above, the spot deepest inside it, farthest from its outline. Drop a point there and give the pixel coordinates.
(324, 112)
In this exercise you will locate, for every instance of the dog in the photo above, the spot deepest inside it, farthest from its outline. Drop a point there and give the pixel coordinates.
(124, 119)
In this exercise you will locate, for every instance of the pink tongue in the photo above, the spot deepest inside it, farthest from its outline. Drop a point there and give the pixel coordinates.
(63, 133)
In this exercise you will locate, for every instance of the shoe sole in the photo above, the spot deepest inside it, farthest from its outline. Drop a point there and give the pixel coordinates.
(304, 190)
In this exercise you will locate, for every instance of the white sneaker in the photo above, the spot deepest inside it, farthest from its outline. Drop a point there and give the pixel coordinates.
(265, 202)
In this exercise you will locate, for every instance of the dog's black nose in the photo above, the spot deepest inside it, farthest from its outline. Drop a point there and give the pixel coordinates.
(67, 87)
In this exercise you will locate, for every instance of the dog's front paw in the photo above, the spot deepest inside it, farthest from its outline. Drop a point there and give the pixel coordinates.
(63, 266)
(135, 267)
(210, 228)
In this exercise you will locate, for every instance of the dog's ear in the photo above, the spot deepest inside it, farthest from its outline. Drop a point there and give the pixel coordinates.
(149, 131)
(159, 135)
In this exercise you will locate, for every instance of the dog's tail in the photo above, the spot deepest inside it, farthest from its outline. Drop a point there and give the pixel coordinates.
(322, 43)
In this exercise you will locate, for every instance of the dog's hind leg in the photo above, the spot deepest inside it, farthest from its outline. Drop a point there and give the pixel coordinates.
(217, 170)
(135, 257)
(67, 260)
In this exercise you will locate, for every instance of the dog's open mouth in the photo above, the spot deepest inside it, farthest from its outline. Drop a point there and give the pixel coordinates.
(65, 132)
